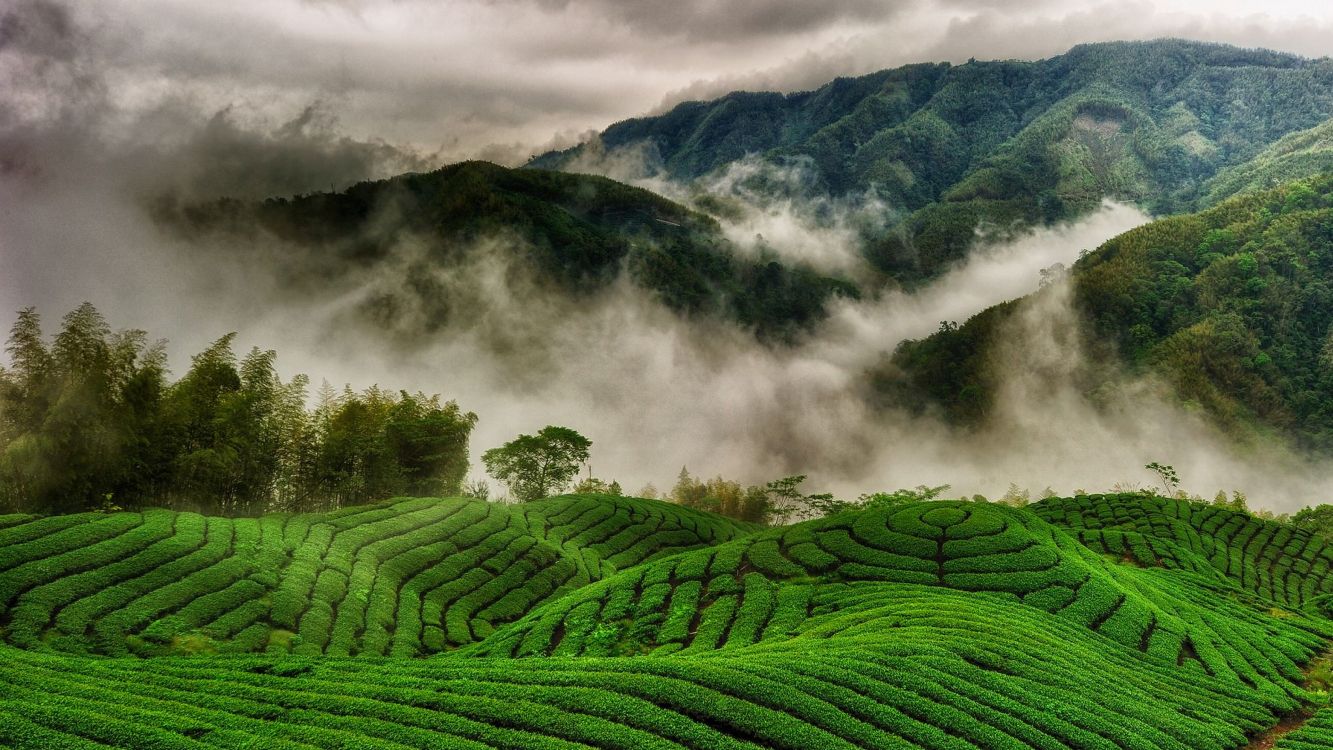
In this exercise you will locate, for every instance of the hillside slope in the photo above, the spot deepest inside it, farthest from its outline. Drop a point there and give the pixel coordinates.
(405, 577)
(572, 234)
(1232, 307)
(1093, 622)
(1303, 154)
(1003, 142)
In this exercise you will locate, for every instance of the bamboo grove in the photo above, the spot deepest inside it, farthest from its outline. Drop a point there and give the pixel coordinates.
(91, 420)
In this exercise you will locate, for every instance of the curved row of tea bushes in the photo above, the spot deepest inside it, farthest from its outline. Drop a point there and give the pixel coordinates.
(776, 585)
(1283, 564)
(403, 577)
(626, 531)
(1314, 734)
(895, 667)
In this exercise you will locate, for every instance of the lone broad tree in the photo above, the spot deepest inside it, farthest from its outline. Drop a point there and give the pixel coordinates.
(535, 466)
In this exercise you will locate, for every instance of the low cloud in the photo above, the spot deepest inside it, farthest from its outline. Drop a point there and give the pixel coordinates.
(107, 103)
(654, 391)
(498, 77)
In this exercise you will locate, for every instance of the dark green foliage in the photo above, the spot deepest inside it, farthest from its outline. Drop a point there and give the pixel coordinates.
(535, 466)
(1167, 124)
(1317, 520)
(573, 232)
(1231, 306)
(78, 417)
(949, 371)
(91, 423)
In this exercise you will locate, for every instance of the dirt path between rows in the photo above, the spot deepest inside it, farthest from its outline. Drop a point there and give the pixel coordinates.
(1295, 720)
(1289, 724)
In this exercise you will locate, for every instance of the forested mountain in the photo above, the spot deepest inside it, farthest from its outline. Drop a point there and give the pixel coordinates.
(954, 152)
(573, 233)
(1302, 154)
(1232, 306)
(998, 143)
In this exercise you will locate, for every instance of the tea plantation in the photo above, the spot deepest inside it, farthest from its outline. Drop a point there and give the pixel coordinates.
(1094, 622)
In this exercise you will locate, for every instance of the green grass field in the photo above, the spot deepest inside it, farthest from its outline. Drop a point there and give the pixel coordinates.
(1095, 622)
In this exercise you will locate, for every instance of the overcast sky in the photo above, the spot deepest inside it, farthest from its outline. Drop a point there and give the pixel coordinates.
(502, 78)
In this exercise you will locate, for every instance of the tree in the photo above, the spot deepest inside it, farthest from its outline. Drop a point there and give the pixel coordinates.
(536, 466)
(688, 491)
(1016, 496)
(429, 442)
(477, 489)
(919, 494)
(1166, 473)
(25, 396)
(90, 421)
(782, 500)
(827, 505)
(1317, 520)
(592, 486)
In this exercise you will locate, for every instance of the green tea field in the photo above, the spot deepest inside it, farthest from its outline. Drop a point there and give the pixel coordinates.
(1097, 622)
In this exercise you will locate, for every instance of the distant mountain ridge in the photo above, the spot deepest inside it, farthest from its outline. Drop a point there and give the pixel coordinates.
(574, 234)
(1002, 143)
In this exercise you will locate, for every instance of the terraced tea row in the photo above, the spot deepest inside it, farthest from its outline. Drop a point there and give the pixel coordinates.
(944, 625)
(776, 585)
(1315, 734)
(1283, 564)
(402, 578)
(911, 666)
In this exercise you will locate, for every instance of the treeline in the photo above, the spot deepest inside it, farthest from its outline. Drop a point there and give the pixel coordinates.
(91, 420)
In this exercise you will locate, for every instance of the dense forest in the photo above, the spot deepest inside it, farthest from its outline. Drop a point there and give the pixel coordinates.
(1231, 306)
(91, 421)
(1002, 143)
(572, 234)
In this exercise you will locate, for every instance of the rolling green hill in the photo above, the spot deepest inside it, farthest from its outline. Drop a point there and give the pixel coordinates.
(1232, 307)
(404, 577)
(1005, 142)
(1091, 622)
(571, 233)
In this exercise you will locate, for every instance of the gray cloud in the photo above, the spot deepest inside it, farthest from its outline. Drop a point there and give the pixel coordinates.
(499, 77)
(711, 20)
(103, 101)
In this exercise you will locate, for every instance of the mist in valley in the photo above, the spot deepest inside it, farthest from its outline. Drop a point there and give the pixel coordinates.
(655, 391)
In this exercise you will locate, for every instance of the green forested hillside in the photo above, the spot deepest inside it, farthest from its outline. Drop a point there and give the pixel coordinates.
(1005, 141)
(1092, 622)
(571, 233)
(1307, 153)
(1231, 306)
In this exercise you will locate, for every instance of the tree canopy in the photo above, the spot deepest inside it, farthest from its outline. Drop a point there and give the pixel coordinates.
(537, 466)
(91, 421)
